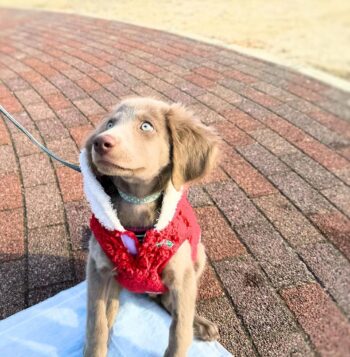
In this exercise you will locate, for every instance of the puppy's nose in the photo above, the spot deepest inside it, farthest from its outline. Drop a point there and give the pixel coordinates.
(104, 144)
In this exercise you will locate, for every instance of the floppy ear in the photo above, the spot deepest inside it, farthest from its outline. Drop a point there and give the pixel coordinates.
(194, 146)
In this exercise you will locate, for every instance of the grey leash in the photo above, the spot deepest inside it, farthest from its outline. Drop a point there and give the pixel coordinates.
(36, 142)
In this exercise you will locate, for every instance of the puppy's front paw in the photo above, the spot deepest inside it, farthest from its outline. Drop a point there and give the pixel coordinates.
(205, 330)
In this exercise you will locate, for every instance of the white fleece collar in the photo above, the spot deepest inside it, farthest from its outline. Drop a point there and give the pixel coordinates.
(101, 205)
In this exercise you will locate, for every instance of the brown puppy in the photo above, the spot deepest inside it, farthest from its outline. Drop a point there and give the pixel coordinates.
(142, 148)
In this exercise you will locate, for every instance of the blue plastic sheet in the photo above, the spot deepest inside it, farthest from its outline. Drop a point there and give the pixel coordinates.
(56, 327)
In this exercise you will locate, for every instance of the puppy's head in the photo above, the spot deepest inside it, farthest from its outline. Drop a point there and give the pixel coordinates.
(145, 138)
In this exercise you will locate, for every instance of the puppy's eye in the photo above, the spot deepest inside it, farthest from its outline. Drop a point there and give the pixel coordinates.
(110, 124)
(146, 126)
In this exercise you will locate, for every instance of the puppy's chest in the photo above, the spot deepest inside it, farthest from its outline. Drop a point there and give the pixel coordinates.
(136, 216)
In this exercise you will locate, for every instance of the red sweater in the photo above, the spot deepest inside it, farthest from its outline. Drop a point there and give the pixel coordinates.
(141, 272)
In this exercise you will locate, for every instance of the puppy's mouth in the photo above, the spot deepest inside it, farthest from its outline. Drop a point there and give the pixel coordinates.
(107, 167)
(111, 165)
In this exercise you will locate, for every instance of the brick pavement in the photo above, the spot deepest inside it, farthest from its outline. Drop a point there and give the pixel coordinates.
(278, 280)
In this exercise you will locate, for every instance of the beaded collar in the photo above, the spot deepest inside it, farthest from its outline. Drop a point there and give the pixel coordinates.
(139, 201)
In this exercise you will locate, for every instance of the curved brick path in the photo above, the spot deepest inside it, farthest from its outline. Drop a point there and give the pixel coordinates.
(279, 280)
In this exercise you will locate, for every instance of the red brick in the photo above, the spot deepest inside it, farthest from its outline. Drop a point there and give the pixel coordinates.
(73, 92)
(80, 134)
(4, 92)
(52, 129)
(322, 154)
(88, 84)
(240, 76)
(340, 197)
(64, 148)
(11, 234)
(261, 98)
(280, 263)
(214, 102)
(233, 135)
(44, 206)
(330, 121)
(209, 286)
(303, 92)
(57, 102)
(332, 269)
(101, 77)
(209, 73)
(45, 88)
(36, 170)
(241, 119)
(71, 117)
(177, 95)
(249, 179)
(97, 118)
(343, 174)
(17, 83)
(235, 205)
(28, 97)
(10, 192)
(232, 334)
(59, 65)
(216, 175)
(11, 104)
(218, 238)
(40, 111)
(12, 288)
(89, 106)
(199, 80)
(105, 98)
(48, 258)
(273, 142)
(41, 67)
(311, 171)
(293, 225)
(24, 119)
(206, 115)
(23, 145)
(4, 135)
(70, 184)
(227, 94)
(263, 160)
(344, 152)
(189, 88)
(285, 129)
(198, 197)
(73, 74)
(302, 194)
(149, 67)
(320, 318)
(336, 228)
(260, 308)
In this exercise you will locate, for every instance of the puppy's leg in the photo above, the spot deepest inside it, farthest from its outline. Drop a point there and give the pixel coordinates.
(179, 276)
(97, 325)
(113, 302)
(203, 329)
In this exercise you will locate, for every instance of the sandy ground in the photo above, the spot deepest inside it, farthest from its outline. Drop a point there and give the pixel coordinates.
(311, 33)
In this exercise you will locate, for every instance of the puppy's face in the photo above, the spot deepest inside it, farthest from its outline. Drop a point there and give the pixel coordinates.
(133, 142)
(143, 136)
